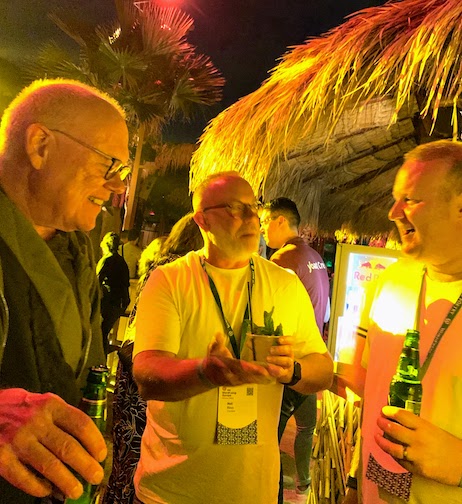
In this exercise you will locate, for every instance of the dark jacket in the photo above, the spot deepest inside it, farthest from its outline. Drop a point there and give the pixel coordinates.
(47, 346)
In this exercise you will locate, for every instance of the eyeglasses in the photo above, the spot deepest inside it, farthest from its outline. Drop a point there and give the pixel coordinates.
(237, 209)
(117, 167)
(263, 222)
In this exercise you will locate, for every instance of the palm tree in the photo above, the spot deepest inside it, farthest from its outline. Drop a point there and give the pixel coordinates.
(144, 61)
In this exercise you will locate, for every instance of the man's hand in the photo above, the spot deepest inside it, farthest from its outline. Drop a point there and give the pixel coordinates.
(281, 359)
(421, 447)
(222, 369)
(41, 434)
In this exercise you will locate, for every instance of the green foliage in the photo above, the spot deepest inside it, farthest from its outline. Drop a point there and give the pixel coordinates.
(268, 329)
(142, 59)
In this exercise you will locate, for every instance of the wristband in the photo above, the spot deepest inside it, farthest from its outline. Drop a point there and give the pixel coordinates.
(202, 377)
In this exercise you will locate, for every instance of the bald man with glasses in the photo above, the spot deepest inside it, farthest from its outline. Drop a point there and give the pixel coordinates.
(211, 433)
(63, 152)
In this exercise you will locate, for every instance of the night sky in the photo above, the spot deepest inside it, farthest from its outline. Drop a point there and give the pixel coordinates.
(244, 38)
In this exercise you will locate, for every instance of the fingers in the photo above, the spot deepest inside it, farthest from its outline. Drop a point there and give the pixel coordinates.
(218, 346)
(19, 476)
(401, 453)
(229, 371)
(67, 449)
(42, 433)
(82, 428)
(37, 456)
(406, 418)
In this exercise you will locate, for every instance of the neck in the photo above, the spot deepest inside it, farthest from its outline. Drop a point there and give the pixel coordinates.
(220, 260)
(443, 276)
(286, 237)
(45, 232)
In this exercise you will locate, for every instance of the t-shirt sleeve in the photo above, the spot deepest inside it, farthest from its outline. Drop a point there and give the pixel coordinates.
(157, 320)
(307, 337)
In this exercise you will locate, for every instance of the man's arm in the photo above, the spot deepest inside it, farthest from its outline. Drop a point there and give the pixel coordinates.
(42, 433)
(161, 376)
(351, 375)
(317, 373)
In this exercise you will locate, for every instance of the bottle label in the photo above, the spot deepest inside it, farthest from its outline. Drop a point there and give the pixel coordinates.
(413, 407)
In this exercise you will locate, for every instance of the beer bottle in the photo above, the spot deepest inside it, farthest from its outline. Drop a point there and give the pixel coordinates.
(406, 387)
(94, 404)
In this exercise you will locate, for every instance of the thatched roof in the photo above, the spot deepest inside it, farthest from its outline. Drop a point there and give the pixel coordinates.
(329, 127)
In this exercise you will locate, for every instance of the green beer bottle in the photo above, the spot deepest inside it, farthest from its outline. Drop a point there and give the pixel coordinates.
(406, 387)
(94, 404)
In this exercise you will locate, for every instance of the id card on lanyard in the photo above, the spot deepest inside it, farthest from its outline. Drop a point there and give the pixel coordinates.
(237, 406)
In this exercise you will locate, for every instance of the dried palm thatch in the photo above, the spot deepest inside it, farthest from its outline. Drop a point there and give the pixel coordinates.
(330, 125)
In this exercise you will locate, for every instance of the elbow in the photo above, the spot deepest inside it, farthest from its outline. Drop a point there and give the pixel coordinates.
(326, 374)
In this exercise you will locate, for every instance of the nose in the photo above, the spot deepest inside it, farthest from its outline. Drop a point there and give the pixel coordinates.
(396, 211)
(115, 185)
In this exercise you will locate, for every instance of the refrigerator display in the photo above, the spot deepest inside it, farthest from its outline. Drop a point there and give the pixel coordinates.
(357, 269)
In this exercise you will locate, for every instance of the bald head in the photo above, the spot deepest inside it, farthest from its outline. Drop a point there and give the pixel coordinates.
(206, 192)
(64, 150)
(57, 103)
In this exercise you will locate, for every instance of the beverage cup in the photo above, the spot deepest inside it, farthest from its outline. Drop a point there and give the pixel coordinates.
(260, 345)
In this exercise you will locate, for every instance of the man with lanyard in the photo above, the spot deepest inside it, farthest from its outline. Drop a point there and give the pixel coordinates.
(424, 463)
(212, 414)
(279, 222)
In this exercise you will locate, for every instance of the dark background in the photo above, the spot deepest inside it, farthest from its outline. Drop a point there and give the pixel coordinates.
(244, 38)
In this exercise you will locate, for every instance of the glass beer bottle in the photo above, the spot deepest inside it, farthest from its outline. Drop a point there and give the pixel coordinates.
(94, 404)
(406, 387)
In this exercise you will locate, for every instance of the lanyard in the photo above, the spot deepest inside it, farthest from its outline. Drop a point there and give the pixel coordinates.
(248, 310)
(446, 323)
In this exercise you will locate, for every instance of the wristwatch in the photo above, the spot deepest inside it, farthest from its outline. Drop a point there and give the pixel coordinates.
(297, 376)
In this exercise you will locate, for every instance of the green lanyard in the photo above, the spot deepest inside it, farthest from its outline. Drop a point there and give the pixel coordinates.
(246, 321)
(446, 323)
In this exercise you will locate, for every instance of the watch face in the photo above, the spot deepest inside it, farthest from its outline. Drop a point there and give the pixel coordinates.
(297, 376)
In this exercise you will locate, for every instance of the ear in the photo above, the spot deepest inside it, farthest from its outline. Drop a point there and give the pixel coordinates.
(201, 220)
(36, 144)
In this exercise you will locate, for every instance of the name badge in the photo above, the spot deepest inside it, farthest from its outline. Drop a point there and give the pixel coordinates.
(237, 415)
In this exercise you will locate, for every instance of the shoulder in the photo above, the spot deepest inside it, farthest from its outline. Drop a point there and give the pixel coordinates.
(402, 271)
(273, 270)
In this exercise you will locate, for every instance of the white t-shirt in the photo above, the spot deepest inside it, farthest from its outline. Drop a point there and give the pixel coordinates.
(180, 461)
(393, 312)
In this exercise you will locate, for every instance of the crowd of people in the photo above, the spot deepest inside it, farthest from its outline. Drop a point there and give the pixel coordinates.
(195, 414)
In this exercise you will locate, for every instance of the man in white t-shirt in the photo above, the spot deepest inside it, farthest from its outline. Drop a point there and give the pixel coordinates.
(424, 464)
(211, 433)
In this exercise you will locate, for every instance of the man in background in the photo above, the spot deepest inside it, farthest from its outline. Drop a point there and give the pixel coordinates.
(114, 279)
(279, 223)
(63, 151)
(192, 362)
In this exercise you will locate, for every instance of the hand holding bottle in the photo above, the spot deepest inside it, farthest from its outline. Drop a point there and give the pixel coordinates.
(429, 450)
(45, 433)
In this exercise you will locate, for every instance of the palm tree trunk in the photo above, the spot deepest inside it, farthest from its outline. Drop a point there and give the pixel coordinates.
(132, 192)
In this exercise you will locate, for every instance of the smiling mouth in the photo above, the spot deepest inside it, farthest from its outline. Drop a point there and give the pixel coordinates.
(96, 201)
(407, 232)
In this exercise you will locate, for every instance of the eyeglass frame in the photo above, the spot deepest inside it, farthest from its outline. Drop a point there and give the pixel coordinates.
(255, 208)
(125, 168)
(266, 221)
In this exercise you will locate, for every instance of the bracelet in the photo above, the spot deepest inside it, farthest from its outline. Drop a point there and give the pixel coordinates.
(202, 377)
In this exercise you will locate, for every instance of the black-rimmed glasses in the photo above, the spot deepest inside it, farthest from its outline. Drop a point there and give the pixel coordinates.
(117, 167)
(238, 209)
